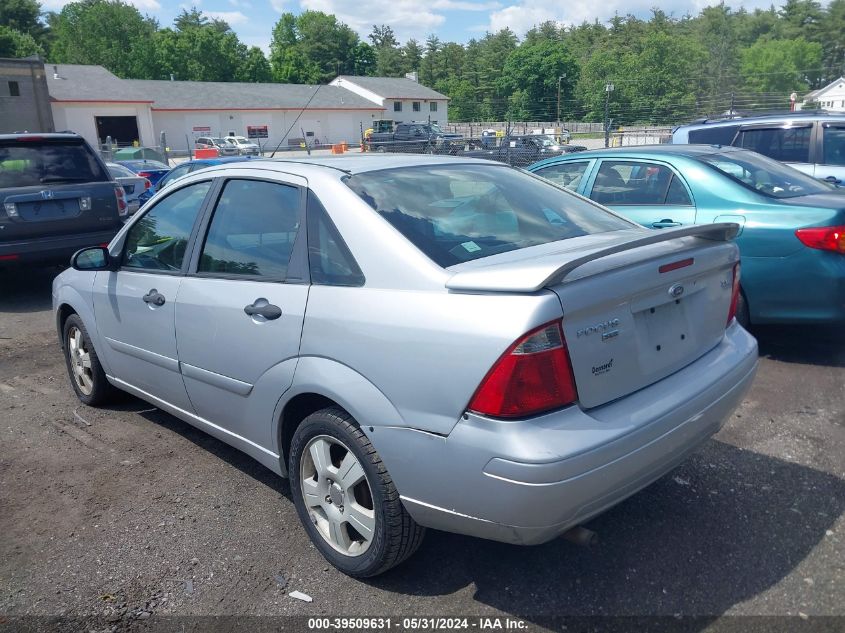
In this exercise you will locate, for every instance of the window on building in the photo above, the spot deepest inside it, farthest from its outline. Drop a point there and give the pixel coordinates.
(14, 89)
(397, 106)
(416, 106)
(432, 107)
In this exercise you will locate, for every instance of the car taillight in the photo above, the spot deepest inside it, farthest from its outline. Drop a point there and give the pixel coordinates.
(534, 375)
(120, 194)
(825, 238)
(144, 174)
(734, 294)
(147, 184)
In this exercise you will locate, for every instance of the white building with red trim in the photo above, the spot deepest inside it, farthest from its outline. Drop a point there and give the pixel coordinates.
(96, 104)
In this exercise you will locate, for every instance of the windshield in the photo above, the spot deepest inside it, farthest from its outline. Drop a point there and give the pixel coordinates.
(220, 141)
(457, 213)
(147, 164)
(436, 129)
(32, 163)
(545, 141)
(765, 175)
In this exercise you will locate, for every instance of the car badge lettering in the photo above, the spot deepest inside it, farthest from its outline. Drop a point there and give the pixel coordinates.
(47, 195)
(604, 326)
(603, 369)
(676, 290)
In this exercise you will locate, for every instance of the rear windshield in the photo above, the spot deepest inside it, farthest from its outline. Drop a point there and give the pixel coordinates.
(457, 213)
(34, 163)
(119, 171)
(765, 175)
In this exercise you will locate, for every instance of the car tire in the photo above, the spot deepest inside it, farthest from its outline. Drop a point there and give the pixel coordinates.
(742, 315)
(345, 497)
(83, 366)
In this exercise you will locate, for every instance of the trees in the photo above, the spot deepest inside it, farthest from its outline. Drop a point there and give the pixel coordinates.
(313, 47)
(13, 43)
(781, 65)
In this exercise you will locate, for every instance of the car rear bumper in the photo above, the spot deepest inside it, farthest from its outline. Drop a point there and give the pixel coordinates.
(529, 481)
(53, 249)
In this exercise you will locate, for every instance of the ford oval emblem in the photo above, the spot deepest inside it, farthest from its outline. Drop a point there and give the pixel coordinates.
(676, 291)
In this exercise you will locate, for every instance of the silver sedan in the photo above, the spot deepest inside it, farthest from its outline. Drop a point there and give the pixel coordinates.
(415, 341)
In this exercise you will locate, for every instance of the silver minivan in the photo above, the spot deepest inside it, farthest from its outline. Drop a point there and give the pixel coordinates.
(812, 142)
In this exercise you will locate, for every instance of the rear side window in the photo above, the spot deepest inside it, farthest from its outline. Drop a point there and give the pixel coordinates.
(637, 183)
(834, 145)
(252, 230)
(721, 135)
(786, 144)
(458, 213)
(565, 174)
(34, 163)
(329, 258)
(157, 241)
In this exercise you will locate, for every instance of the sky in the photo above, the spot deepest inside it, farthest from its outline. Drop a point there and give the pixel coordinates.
(450, 20)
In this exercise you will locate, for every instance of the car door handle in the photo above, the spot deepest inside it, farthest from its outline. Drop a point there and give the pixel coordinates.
(665, 224)
(832, 180)
(267, 310)
(154, 297)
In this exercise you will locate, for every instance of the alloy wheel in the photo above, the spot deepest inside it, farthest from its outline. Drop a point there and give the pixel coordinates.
(80, 361)
(337, 495)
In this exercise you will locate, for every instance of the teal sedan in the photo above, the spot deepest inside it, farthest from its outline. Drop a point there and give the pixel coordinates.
(792, 227)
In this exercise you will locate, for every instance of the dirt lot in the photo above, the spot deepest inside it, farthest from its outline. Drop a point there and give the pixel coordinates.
(118, 517)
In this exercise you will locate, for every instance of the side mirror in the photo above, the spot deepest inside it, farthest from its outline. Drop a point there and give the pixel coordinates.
(91, 258)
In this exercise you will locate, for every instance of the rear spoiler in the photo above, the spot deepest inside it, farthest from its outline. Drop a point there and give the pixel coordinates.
(531, 275)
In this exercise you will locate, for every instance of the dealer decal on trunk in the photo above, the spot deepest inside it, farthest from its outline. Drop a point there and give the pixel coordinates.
(603, 369)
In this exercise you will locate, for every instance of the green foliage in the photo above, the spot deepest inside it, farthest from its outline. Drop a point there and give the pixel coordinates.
(312, 47)
(781, 65)
(13, 43)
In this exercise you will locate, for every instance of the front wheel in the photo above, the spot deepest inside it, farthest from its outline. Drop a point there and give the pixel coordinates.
(83, 366)
(345, 497)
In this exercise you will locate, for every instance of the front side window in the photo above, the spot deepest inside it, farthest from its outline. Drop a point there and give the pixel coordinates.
(833, 144)
(174, 174)
(158, 240)
(567, 175)
(458, 213)
(252, 230)
(765, 175)
(786, 144)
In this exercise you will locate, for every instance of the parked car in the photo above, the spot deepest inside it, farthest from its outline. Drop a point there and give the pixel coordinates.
(793, 227)
(56, 196)
(812, 142)
(523, 149)
(133, 185)
(417, 138)
(152, 170)
(451, 344)
(223, 147)
(245, 146)
(190, 166)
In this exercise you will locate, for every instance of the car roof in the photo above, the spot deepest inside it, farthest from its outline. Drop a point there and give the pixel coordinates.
(46, 135)
(690, 151)
(354, 163)
(763, 118)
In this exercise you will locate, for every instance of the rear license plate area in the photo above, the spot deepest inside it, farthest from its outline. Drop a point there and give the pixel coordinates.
(664, 332)
(47, 210)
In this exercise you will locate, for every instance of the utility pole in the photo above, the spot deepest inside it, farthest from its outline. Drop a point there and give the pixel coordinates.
(608, 88)
(559, 79)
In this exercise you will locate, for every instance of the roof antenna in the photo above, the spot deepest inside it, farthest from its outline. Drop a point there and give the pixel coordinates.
(56, 72)
(301, 112)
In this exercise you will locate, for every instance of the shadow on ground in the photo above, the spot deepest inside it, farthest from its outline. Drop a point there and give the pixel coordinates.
(810, 344)
(725, 526)
(25, 289)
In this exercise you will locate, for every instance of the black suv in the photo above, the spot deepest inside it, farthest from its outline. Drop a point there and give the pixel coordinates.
(56, 196)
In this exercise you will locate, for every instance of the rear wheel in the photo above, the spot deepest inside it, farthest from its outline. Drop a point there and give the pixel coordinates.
(345, 497)
(83, 366)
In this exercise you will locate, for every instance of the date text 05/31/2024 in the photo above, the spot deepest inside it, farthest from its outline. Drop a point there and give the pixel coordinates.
(416, 624)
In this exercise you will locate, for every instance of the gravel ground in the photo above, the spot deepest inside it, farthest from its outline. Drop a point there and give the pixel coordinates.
(119, 517)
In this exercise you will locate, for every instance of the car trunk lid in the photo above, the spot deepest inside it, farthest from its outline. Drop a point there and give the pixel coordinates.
(637, 305)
